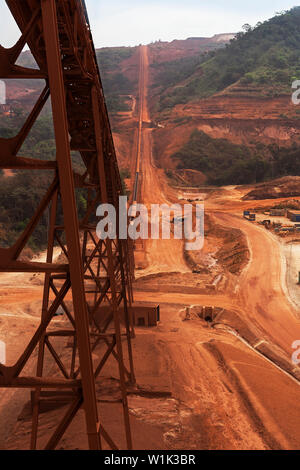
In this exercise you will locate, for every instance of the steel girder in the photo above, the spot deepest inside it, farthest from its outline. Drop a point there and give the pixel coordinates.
(96, 272)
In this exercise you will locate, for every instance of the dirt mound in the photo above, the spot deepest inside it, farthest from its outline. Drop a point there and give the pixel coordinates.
(230, 254)
(288, 186)
(234, 255)
(192, 178)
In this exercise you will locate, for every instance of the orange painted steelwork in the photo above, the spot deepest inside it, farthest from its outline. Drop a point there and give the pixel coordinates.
(96, 272)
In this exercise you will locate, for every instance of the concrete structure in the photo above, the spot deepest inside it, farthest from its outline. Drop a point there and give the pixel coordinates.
(208, 314)
(145, 315)
(140, 315)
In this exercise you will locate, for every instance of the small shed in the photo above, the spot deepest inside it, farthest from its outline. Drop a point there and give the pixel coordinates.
(294, 215)
(145, 315)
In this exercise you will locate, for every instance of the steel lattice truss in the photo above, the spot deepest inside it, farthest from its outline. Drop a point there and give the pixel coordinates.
(97, 273)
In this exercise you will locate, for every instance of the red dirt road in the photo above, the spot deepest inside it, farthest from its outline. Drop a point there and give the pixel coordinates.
(224, 393)
(260, 293)
(162, 255)
(264, 404)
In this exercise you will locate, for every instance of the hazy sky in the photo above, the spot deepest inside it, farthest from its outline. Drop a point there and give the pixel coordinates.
(131, 22)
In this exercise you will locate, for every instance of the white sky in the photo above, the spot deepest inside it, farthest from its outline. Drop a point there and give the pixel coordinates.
(131, 22)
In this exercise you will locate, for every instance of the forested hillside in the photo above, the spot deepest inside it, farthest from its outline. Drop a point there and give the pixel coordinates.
(21, 193)
(260, 61)
(225, 163)
(265, 57)
(117, 86)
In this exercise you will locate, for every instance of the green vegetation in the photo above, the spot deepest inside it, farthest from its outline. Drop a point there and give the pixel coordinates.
(40, 142)
(116, 85)
(116, 103)
(21, 193)
(110, 58)
(265, 57)
(20, 196)
(225, 163)
(169, 74)
(172, 74)
(125, 174)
